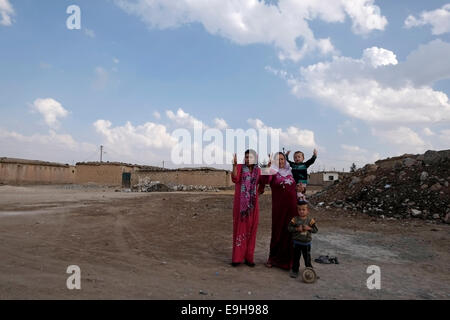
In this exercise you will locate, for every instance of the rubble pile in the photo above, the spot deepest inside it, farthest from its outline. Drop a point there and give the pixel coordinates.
(157, 186)
(409, 186)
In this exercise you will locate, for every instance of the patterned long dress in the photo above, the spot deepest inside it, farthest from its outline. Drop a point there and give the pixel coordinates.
(245, 225)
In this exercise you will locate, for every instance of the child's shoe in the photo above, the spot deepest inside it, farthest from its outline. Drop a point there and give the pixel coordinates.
(293, 274)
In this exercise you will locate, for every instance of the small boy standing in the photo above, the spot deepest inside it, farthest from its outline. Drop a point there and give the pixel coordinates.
(300, 168)
(302, 227)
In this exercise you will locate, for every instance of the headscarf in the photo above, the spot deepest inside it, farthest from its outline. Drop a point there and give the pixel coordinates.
(284, 172)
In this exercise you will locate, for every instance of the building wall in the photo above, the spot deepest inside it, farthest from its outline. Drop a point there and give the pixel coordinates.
(315, 179)
(19, 171)
(327, 175)
(211, 178)
(322, 178)
(29, 173)
(104, 174)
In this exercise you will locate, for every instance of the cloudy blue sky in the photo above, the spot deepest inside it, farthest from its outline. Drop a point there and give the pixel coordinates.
(359, 80)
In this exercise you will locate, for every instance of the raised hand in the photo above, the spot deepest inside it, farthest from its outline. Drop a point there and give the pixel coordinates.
(235, 159)
(315, 152)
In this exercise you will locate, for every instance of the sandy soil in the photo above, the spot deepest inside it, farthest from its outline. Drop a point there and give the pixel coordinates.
(178, 246)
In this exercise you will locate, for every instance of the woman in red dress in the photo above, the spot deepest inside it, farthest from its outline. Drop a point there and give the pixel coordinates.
(247, 179)
(284, 208)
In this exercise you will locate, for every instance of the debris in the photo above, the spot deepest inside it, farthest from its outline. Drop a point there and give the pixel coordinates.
(423, 176)
(404, 187)
(408, 162)
(147, 185)
(447, 218)
(436, 187)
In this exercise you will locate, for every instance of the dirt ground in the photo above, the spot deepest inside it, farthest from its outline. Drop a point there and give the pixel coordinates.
(178, 246)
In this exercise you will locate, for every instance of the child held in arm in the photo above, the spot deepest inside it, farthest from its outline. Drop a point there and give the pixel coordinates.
(301, 191)
(301, 228)
(300, 168)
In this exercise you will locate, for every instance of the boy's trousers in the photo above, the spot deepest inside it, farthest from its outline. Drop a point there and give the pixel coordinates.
(299, 250)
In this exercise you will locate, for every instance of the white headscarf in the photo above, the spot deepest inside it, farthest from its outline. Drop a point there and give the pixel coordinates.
(284, 172)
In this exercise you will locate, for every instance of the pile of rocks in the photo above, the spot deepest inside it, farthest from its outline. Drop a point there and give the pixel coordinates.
(409, 186)
(157, 186)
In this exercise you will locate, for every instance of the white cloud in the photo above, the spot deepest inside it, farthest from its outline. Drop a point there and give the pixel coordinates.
(433, 61)
(51, 147)
(379, 57)
(253, 21)
(220, 124)
(147, 135)
(289, 138)
(149, 143)
(6, 13)
(365, 16)
(347, 126)
(157, 115)
(439, 19)
(90, 33)
(51, 110)
(404, 137)
(346, 159)
(445, 138)
(353, 154)
(378, 89)
(116, 61)
(352, 148)
(427, 132)
(184, 119)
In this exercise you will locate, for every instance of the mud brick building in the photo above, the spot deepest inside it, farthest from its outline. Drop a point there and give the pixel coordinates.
(20, 171)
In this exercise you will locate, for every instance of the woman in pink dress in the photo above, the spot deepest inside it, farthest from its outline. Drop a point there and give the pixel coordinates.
(247, 179)
(284, 208)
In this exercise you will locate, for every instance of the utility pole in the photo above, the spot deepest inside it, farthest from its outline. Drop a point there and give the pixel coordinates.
(163, 164)
(101, 154)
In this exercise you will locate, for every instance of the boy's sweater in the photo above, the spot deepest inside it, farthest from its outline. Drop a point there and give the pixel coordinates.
(305, 236)
(300, 170)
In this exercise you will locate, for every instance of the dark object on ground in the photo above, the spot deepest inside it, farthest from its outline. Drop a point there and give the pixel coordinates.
(327, 260)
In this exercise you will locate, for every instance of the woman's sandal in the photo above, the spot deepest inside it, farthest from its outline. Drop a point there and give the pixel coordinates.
(250, 264)
(268, 265)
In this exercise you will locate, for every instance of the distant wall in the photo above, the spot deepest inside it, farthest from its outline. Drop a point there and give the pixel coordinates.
(213, 178)
(315, 179)
(20, 171)
(16, 172)
(103, 174)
